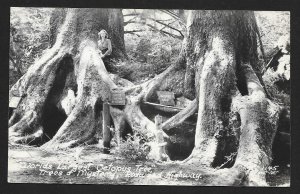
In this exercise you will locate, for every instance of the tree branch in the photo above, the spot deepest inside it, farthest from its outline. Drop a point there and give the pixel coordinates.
(131, 14)
(133, 31)
(272, 61)
(166, 25)
(175, 16)
(158, 30)
(130, 21)
(180, 117)
(160, 22)
(165, 32)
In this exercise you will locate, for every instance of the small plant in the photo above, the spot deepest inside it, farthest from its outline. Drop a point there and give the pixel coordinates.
(134, 148)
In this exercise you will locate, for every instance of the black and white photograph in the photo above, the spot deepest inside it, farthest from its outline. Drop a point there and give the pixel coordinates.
(177, 97)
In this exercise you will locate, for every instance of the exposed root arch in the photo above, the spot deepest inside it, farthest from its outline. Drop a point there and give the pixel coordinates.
(180, 117)
(36, 83)
(259, 118)
(27, 117)
(93, 83)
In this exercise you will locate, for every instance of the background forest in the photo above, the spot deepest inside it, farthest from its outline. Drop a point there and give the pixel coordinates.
(149, 44)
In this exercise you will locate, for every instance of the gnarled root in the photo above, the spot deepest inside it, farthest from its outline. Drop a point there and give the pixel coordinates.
(180, 117)
(93, 84)
(78, 128)
(218, 71)
(25, 130)
(26, 119)
(259, 118)
(34, 86)
(138, 121)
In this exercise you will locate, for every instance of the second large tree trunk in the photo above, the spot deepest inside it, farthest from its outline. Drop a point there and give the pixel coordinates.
(228, 84)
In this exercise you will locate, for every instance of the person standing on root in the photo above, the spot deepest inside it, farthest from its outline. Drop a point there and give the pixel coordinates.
(104, 45)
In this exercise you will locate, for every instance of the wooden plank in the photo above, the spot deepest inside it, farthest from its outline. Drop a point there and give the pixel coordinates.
(117, 97)
(14, 101)
(161, 105)
(165, 108)
(105, 128)
(166, 98)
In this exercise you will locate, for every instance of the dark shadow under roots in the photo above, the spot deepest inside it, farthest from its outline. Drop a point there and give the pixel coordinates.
(282, 142)
(181, 142)
(53, 116)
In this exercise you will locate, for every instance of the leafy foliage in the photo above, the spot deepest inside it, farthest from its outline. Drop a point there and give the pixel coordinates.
(272, 25)
(153, 48)
(151, 53)
(278, 81)
(29, 36)
(134, 148)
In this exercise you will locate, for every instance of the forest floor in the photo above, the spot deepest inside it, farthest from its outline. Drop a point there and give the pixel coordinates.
(89, 165)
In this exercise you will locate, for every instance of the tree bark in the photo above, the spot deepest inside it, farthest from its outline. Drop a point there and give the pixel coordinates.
(73, 66)
(72, 63)
(226, 67)
(217, 69)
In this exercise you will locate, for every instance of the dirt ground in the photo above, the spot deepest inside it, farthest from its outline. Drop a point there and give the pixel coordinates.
(90, 166)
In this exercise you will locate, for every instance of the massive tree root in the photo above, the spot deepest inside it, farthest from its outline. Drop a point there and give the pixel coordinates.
(93, 83)
(259, 121)
(219, 66)
(35, 85)
(230, 69)
(71, 80)
(217, 71)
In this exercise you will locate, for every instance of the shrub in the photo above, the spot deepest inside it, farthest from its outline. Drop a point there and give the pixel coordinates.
(134, 148)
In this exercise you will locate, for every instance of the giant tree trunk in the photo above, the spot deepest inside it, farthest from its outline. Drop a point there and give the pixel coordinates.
(228, 83)
(63, 92)
(61, 89)
(217, 69)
